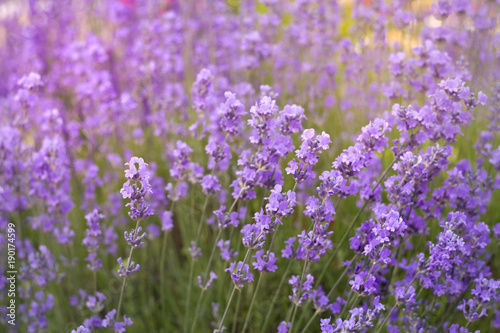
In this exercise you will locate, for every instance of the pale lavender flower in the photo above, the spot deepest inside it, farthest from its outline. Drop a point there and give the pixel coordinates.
(240, 275)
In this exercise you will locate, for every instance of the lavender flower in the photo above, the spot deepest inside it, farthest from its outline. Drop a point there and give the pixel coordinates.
(280, 205)
(484, 295)
(264, 262)
(360, 319)
(134, 238)
(207, 285)
(210, 184)
(253, 236)
(137, 174)
(320, 300)
(300, 289)
(241, 275)
(131, 268)
(226, 252)
(167, 223)
(283, 327)
(119, 326)
(373, 135)
(308, 155)
(226, 219)
(92, 239)
(194, 250)
(81, 329)
(174, 78)
(95, 303)
(231, 112)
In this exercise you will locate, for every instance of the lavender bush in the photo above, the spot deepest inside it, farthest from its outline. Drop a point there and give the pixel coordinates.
(250, 166)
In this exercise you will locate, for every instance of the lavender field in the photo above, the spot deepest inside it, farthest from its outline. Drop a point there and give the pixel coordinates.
(249, 166)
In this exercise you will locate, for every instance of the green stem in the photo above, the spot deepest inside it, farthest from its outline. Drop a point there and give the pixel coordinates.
(227, 308)
(395, 305)
(251, 304)
(234, 202)
(339, 245)
(197, 311)
(218, 237)
(316, 313)
(162, 257)
(294, 312)
(346, 306)
(274, 237)
(188, 297)
(275, 298)
(121, 298)
(200, 225)
(235, 316)
(212, 254)
(162, 262)
(125, 278)
(346, 234)
(289, 315)
(386, 318)
(95, 282)
(123, 285)
(342, 275)
(191, 268)
(247, 254)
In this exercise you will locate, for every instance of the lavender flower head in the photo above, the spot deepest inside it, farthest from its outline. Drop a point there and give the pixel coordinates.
(265, 261)
(307, 155)
(136, 187)
(92, 239)
(207, 285)
(231, 112)
(300, 288)
(241, 275)
(131, 268)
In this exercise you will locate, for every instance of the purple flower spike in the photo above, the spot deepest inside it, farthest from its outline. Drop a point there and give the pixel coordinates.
(312, 145)
(92, 239)
(231, 112)
(283, 327)
(194, 250)
(373, 135)
(137, 174)
(280, 204)
(134, 238)
(241, 275)
(118, 326)
(126, 271)
(210, 184)
(226, 252)
(265, 262)
(167, 223)
(207, 285)
(303, 287)
(81, 329)
(253, 236)
(225, 219)
(290, 120)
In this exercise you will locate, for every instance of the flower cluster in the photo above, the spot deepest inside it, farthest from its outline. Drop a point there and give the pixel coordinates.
(307, 155)
(241, 275)
(92, 239)
(300, 288)
(355, 157)
(136, 188)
